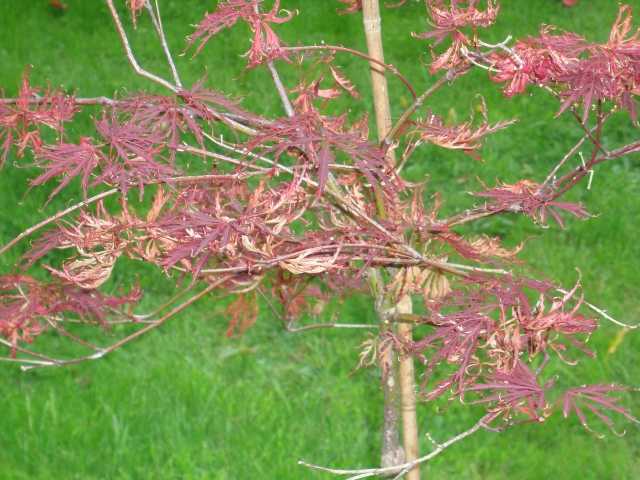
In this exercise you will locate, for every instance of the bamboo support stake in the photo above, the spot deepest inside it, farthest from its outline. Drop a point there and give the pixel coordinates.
(373, 31)
(408, 393)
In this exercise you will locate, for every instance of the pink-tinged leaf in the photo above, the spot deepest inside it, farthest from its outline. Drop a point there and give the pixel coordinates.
(26, 304)
(265, 45)
(584, 73)
(135, 7)
(463, 137)
(451, 20)
(344, 82)
(135, 154)
(454, 341)
(68, 161)
(596, 400)
(20, 123)
(47, 242)
(325, 158)
(515, 391)
(307, 133)
(227, 13)
(529, 198)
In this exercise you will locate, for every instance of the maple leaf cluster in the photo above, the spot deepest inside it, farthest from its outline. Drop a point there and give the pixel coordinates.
(265, 46)
(296, 211)
(583, 72)
(453, 21)
(20, 121)
(29, 307)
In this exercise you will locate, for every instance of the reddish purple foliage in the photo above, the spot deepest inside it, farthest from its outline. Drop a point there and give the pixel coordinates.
(584, 72)
(68, 161)
(316, 138)
(26, 303)
(450, 21)
(300, 209)
(530, 198)
(265, 46)
(20, 122)
(595, 399)
(514, 392)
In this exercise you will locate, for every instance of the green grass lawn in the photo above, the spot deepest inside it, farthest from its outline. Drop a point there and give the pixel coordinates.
(188, 403)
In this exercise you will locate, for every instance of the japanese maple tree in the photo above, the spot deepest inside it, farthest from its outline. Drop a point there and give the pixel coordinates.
(284, 213)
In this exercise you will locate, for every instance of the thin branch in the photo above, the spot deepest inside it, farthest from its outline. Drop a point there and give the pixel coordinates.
(218, 156)
(57, 216)
(357, 53)
(317, 326)
(158, 309)
(157, 23)
(569, 154)
(402, 469)
(36, 99)
(132, 59)
(350, 207)
(603, 313)
(286, 102)
(417, 103)
(148, 327)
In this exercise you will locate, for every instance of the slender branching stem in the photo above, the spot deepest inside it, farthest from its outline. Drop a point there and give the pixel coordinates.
(282, 91)
(31, 230)
(146, 329)
(156, 19)
(393, 133)
(357, 53)
(400, 470)
(129, 52)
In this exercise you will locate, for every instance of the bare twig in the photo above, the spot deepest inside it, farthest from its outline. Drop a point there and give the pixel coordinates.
(147, 328)
(29, 231)
(157, 23)
(564, 159)
(603, 313)
(132, 59)
(317, 326)
(357, 53)
(286, 103)
(402, 469)
(392, 134)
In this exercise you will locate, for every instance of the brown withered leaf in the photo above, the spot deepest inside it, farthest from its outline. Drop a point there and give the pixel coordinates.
(407, 281)
(89, 271)
(344, 83)
(376, 350)
(159, 201)
(58, 5)
(432, 284)
(311, 265)
(436, 286)
(487, 246)
(368, 355)
(243, 313)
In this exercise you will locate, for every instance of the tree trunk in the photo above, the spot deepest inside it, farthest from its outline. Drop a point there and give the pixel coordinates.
(391, 450)
(390, 438)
